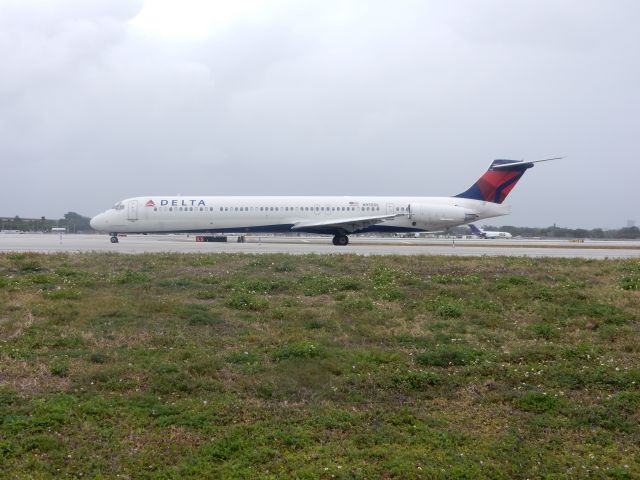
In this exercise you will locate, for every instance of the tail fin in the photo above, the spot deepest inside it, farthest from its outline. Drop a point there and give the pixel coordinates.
(497, 182)
(475, 230)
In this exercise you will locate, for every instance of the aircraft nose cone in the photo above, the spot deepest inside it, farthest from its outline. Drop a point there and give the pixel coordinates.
(97, 222)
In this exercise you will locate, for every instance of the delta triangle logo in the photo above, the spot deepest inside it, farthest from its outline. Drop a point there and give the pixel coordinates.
(150, 203)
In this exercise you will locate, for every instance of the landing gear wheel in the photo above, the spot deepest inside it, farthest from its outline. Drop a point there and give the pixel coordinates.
(340, 240)
(114, 239)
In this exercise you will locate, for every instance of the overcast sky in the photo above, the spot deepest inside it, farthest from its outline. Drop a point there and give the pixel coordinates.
(107, 99)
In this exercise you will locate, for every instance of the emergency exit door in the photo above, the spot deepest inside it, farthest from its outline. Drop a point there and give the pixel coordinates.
(132, 212)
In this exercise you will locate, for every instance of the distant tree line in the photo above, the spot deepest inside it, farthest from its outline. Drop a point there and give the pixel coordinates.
(560, 232)
(72, 221)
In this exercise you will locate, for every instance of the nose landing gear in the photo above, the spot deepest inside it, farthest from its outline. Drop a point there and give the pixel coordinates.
(114, 238)
(340, 240)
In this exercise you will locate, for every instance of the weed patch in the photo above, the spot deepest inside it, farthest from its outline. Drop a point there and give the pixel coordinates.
(296, 350)
(417, 380)
(197, 314)
(512, 281)
(631, 281)
(449, 355)
(537, 402)
(61, 294)
(131, 277)
(60, 369)
(449, 310)
(355, 305)
(543, 330)
(247, 301)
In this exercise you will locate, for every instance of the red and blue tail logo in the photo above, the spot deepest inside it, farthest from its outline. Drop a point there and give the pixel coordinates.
(497, 182)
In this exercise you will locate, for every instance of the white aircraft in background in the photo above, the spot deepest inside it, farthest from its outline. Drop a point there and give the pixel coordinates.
(337, 216)
(486, 233)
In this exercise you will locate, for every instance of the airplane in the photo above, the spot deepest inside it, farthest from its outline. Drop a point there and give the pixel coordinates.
(331, 215)
(486, 233)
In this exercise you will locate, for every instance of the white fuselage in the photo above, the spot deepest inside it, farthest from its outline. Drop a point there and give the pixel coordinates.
(496, 234)
(317, 214)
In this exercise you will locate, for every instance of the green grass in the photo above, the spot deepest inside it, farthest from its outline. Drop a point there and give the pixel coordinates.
(279, 366)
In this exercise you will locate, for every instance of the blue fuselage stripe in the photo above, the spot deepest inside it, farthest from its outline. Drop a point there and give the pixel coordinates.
(286, 228)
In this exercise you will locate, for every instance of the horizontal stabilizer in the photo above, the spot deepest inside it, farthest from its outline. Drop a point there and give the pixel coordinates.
(503, 166)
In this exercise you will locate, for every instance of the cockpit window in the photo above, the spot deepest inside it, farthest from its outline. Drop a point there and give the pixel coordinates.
(118, 206)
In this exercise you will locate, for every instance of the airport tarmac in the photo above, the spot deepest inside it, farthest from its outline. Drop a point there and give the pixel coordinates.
(359, 245)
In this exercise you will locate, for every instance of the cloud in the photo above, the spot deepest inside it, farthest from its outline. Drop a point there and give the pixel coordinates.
(104, 100)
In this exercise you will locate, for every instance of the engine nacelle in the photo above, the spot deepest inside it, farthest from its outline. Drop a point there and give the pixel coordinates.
(434, 216)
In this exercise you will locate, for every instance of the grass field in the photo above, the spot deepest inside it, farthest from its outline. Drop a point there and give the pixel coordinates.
(277, 366)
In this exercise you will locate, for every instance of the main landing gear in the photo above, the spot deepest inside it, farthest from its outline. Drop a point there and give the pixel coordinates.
(340, 240)
(114, 238)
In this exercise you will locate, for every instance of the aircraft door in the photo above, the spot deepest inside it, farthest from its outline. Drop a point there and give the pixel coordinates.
(390, 209)
(132, 212)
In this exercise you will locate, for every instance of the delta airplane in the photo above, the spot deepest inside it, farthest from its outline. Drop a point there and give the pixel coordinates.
(338, 216)
(486, 233)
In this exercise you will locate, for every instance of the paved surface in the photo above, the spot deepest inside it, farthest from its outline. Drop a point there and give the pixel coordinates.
(51, 243)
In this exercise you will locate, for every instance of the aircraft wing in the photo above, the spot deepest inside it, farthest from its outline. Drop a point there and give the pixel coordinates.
(349, 225)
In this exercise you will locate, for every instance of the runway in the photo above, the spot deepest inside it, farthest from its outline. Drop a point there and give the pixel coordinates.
(53, 243)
